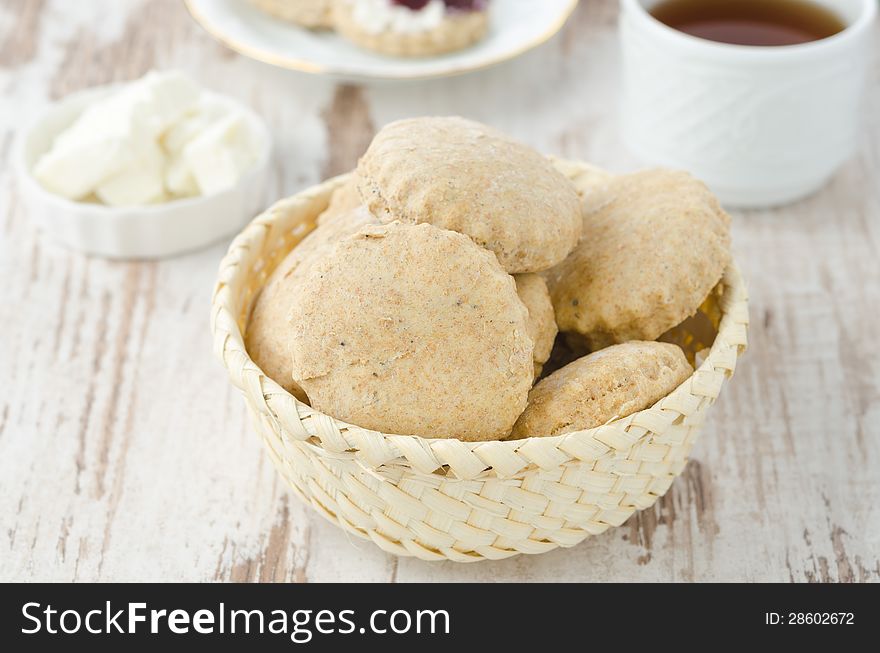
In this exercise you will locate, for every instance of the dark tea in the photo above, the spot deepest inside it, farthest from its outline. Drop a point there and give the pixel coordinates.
(750, 22)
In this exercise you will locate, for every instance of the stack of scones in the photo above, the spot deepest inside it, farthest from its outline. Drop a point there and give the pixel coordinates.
(429, 299)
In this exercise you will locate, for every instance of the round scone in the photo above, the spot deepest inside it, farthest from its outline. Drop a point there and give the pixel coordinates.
(344, 199)
(314, 14)
(586, 179)
(463, 176)
(532, 291)
(268, 333)
(655, 244)
(412, 28)
(608, 384)
(414, 330)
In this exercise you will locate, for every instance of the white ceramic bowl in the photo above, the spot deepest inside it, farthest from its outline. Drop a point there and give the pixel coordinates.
(148, 231)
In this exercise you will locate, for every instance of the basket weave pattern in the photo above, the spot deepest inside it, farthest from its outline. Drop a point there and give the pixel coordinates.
(446, 499)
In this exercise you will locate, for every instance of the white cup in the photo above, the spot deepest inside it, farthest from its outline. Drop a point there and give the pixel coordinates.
(760, 125)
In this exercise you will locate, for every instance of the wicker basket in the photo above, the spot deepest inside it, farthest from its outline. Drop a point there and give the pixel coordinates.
(446, 499)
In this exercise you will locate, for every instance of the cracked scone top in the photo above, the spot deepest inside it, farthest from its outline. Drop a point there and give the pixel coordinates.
(655, 244)
(611, 383)
(414, 330)
(464, 176)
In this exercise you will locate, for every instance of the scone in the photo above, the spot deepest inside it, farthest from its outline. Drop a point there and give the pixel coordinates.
(412, 28)
(586, 179)
(532, 291)
(314, 14)
(655, 244)
(344, 199)
(606, 385)
(414, 330)
(267, 336)
(463, 176)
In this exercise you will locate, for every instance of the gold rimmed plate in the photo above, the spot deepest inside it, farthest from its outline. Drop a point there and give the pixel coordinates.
(516, 26)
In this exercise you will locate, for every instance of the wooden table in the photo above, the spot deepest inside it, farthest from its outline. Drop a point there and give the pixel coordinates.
(126, 455)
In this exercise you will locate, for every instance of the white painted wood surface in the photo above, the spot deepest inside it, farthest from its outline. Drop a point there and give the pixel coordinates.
(126, 455)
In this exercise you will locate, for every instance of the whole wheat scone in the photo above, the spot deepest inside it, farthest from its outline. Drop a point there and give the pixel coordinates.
(586, 179)
(414, 330)
(268, 332)
(344, 199)
(314, 14)
(655, 244)
(532, 291)
(456, 31)
(608, 384)
(463, 176)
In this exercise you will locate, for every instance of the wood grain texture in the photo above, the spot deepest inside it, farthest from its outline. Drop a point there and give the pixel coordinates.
(126, 455)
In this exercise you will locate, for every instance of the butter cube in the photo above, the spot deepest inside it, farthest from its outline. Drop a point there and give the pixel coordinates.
(208, 111)
(142, 183)
(220, 155)
(179, 179)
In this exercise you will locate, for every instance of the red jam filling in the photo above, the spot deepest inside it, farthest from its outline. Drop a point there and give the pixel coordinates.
(457, 5)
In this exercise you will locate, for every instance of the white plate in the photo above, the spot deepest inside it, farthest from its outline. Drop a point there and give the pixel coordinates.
(516, 26)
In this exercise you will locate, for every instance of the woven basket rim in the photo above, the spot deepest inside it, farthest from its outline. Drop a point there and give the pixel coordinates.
(466, 460)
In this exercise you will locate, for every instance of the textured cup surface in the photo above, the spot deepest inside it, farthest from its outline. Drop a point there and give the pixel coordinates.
(760, 125)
